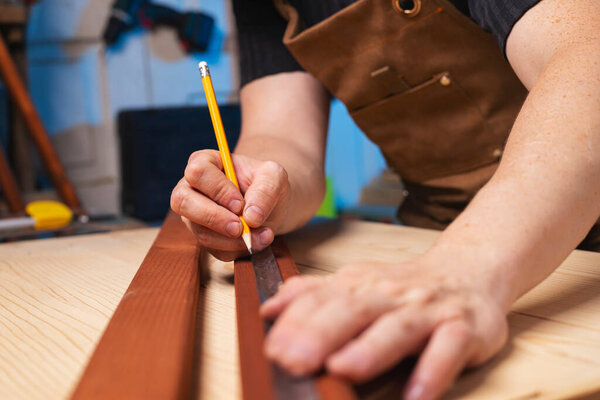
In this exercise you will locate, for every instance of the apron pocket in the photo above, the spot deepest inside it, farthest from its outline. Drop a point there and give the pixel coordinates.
(430, 131)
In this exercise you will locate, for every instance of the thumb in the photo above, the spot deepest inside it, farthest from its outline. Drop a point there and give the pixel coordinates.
(261, 197)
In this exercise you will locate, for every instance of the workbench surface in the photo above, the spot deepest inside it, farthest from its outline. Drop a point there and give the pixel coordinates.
(57, 295)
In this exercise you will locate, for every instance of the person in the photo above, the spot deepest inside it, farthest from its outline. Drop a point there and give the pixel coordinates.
(509, 168)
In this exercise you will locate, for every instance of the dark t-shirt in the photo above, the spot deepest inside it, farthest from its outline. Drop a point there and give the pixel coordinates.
(260, 28)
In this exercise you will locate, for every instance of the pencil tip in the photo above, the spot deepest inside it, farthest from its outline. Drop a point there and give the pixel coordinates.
(248, 241)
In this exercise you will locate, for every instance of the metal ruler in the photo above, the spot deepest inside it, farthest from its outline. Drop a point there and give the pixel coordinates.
(268, 279)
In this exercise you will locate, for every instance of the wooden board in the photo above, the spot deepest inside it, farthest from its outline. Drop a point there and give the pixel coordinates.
(57, 295)
(147, 348)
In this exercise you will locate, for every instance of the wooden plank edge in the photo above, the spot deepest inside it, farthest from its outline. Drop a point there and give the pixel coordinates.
(147, 348)
(255, 369)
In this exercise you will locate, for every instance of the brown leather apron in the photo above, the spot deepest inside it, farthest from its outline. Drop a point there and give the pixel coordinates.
(426, 84)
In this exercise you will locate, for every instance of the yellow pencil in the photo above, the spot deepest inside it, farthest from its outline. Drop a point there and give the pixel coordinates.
(215, 116)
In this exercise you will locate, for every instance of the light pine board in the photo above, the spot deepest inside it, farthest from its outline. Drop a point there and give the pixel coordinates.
(57, 295)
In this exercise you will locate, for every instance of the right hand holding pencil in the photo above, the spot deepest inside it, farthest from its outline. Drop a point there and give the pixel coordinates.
(210, 204)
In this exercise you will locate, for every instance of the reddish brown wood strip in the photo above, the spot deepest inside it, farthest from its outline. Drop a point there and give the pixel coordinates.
(287, 265)
(333, 388)
(17, 89)
(255, 369)
(146, 351)
(10, 190)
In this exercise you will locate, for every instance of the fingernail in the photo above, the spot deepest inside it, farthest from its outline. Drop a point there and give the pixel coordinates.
(235, 206)
(302, 360)
(345, 359)
(415, 392)
(297, 353)
(264, 238)
(268, 303)
(272, 349)
(234, 228)
(253, 213)
(267, 306)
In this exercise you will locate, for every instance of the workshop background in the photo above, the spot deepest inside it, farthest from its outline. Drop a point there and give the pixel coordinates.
(124, 117)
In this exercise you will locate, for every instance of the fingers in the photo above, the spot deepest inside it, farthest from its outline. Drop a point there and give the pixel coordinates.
(199, 209)
(315, 325)
(226, 248)
(204, 173)
(212, 240)
(269, 184)
(391, 338)
(444, 357)
(291, 289)
(265, 184)
(209, 200)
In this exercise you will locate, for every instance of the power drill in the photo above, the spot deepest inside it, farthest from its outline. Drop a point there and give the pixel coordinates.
(194, 29)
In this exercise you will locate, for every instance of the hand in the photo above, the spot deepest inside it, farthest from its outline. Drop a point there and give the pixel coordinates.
(365, 318)
(210, 204)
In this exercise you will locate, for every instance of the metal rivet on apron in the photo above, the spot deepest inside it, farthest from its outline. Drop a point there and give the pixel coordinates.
(445, 80)
(497, 153)
(408, 8)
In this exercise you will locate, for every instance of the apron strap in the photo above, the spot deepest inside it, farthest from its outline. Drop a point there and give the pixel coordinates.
(290, 14)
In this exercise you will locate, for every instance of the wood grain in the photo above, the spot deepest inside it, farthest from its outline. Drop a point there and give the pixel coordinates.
(147, 348)
(57, 295)
(256, 371)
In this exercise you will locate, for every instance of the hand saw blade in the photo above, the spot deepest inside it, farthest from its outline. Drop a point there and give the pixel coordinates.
(268, 279)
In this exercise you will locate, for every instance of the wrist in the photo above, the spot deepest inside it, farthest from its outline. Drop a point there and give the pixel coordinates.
(487, 269)
(302, 201)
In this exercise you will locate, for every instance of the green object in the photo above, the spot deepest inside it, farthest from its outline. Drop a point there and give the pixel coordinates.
(327, 208)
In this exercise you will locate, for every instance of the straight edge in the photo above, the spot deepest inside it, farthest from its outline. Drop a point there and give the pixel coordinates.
(254, 367)
(135, 315)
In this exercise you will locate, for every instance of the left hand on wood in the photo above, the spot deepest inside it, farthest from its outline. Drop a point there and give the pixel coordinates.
(366, 318)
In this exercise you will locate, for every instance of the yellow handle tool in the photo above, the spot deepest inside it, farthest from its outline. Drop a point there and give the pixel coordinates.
(42, 215)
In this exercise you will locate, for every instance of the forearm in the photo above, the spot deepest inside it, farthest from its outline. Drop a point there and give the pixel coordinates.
(546, 193)
(306, 175)
(284, 119)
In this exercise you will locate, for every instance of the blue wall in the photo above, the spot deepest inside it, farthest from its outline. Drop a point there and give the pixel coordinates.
(75, 81)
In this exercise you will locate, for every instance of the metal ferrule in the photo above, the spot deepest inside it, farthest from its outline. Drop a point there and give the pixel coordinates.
(203, 67)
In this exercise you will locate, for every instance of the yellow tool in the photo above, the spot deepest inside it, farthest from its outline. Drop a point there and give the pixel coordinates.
(43, 215)
(215, 116)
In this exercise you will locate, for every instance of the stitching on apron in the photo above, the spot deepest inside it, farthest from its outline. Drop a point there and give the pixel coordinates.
(407, 92)
(463, 19)
(387, 38)
(286, 3)
(476, 104)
